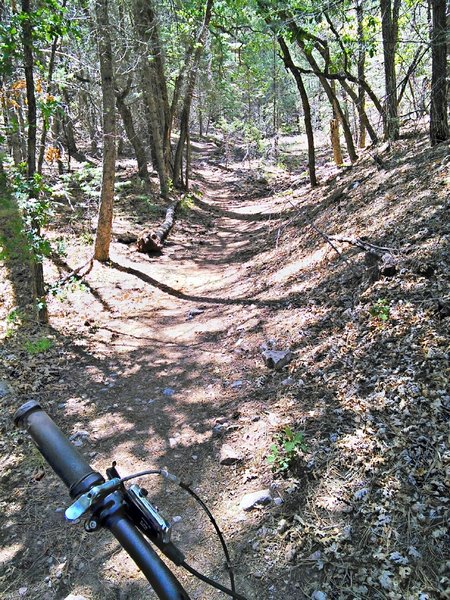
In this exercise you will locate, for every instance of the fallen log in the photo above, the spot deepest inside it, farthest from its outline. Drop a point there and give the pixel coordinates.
(153, 240)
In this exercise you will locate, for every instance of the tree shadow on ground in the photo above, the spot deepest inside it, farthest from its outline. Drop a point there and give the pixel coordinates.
(356, 395)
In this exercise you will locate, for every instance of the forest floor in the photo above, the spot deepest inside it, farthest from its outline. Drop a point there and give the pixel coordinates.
(157, 362)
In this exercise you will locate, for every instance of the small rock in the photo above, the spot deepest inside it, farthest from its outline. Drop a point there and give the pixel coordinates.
(23, 591)
(219, 429)
(282, 526)
(79, 434)
(290, 553)
(221, 420)
(255, 499)
(75, 597)
(318, 595)
(228, 455)
(277, 359)
(288, 381)
(237, 384)
(194, 312)
(5, 389)
(173, 442)
(168, 391)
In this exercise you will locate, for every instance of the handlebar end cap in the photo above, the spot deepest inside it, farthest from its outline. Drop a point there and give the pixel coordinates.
(24, 410)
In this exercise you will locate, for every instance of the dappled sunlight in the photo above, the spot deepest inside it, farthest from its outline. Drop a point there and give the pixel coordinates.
(285, 273)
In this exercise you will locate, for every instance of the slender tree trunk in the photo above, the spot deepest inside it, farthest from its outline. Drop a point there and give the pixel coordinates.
(329, 92)
(12, 130)
(46, 119)
(439, 129)
(289, 64)
(389, 29)
(36, 266)
(334, 129)
(135, 140)
(104, 227)
(361, 103)
(67, 123)
(187, 101)
(364, 119)
(153, 87)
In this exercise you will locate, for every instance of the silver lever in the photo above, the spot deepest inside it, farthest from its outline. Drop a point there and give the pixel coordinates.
(85, 501)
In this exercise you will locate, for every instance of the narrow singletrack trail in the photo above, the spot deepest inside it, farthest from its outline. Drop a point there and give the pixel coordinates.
(164, 366)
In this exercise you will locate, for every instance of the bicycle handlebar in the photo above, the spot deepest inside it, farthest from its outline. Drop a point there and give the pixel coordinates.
(60, 454)
(79, 477)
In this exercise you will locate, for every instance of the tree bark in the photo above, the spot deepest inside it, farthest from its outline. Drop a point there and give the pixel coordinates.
(152, 241)
(36, 263)
(187, 101)
(105, 217)
(134, 138)
(328, 91)
(361, 112)
(389, 30)
(153, 87)
(289, 64)
(361, 104)
(45, 119)
(439, 129)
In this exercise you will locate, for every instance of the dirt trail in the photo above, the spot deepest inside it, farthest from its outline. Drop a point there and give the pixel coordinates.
(158, 372)
(160, 365)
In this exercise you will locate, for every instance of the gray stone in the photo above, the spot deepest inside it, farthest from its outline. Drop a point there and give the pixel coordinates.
(5, 389)
(194, 312)
(237, 384)
(277, 359)
(219, 429)
(75, 597)
(255, 499)
(228, 455)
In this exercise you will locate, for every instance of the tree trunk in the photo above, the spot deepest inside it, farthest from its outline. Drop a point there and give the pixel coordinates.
(289, 64)
(152, 241)
(334, 129)
(67, 124)
(329, 92)
(36, 265)
(153, 87)
(12, 130)
(187, 101)
(135, 140)
(103, 237)
(389, 30)
(46, 119)
(364, 119)
(439, 130)
(335, 143)
(361, 103)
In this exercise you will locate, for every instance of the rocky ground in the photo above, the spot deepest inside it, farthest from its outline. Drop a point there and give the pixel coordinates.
(327, 472)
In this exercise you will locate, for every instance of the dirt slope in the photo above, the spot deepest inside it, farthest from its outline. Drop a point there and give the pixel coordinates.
(156, 361)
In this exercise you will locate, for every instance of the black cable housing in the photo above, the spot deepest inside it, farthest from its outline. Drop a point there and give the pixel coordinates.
(211, 582)
(219, 533)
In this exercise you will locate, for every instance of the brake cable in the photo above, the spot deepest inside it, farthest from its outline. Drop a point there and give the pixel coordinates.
(86, 501)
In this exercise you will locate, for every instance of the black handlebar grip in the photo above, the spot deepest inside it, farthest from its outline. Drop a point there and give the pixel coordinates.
(60, 454)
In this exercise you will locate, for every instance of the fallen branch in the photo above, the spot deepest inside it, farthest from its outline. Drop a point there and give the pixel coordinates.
(367, 246)
(152, 241)
(76, 271)
(329, 240)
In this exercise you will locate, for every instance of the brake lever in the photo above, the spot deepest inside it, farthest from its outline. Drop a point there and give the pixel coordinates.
(85, 502)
